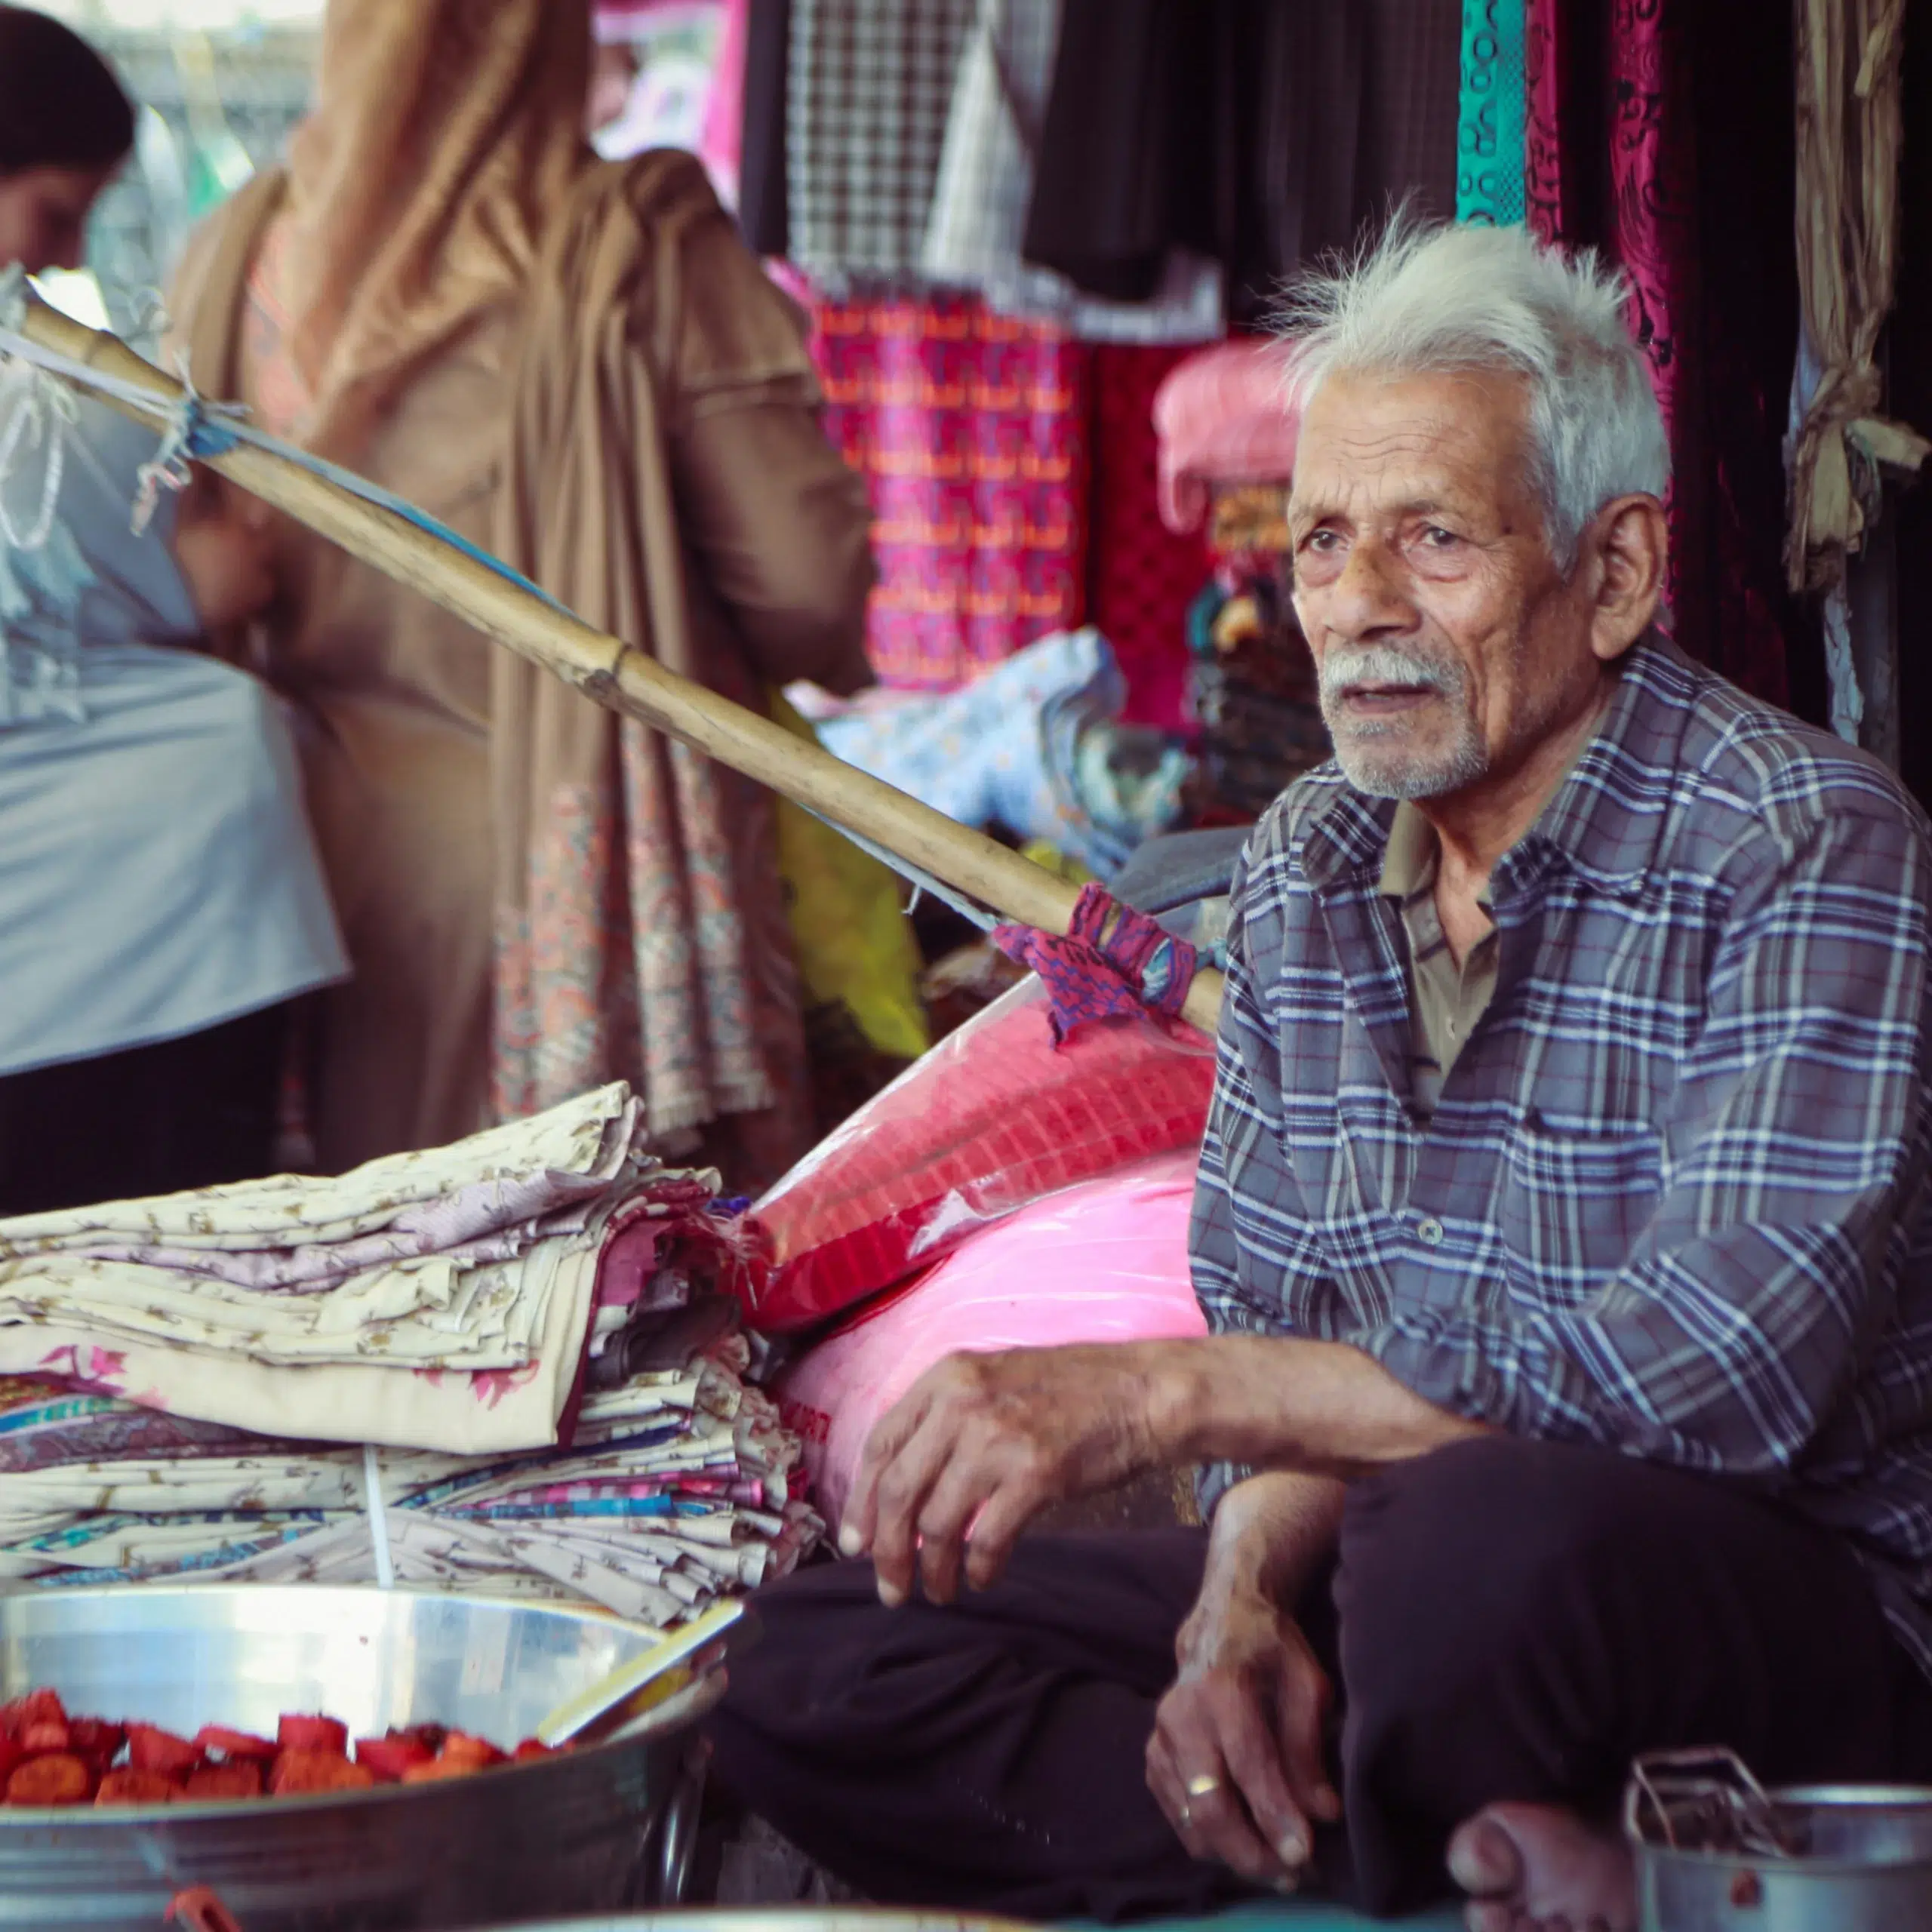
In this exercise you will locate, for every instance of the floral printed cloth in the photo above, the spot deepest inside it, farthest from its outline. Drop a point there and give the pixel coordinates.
(677, 1489)
(439, 1300)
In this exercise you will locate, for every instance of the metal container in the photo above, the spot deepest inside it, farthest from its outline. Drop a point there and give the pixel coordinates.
(1717, 1853)
(595, 1829)
(813, 1919)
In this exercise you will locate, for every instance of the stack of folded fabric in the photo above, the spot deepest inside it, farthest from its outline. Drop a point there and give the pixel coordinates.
(531, 1325)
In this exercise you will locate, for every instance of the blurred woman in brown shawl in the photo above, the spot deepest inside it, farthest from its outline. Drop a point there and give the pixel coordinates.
(580, 367)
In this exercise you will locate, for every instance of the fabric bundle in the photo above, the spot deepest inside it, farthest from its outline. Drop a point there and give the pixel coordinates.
(508, 1365)
(676, 1489)
(439, 1300)
(1035, 746)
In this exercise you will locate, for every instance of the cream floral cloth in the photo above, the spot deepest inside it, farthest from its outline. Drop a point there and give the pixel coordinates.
(433, 1300)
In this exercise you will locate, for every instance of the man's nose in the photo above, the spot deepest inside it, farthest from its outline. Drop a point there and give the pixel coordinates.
(1371, 597)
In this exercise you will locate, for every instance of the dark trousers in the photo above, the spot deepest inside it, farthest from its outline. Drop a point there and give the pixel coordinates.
(1505, 1620)
(191, 1113)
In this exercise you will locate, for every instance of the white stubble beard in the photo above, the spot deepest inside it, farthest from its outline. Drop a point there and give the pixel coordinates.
(1376, 757)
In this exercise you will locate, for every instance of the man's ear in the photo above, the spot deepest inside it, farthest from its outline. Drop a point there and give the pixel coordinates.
(1629, 541)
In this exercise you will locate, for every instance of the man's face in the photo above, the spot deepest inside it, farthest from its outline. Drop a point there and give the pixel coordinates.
(1447, 641)
(44, 215)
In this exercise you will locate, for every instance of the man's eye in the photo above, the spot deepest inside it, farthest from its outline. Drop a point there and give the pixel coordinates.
(1319, 540)
(1437, 538)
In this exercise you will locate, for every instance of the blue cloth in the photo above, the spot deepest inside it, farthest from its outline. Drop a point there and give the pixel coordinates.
(157, 874)
(88, 579)
(1034, 745)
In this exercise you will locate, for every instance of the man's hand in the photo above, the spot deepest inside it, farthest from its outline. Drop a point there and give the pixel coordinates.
(1236, 1758)
(981, 1444)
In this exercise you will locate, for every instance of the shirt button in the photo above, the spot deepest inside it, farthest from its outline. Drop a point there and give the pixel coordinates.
(1430, 1232)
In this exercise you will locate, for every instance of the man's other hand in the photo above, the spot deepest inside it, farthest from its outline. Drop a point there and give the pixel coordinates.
(1236, 1759)
(978, 1446)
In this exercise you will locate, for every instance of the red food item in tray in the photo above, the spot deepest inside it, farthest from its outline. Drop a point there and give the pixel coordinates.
(98, 1742)
(296, 1733)
(302, 1772)
(129, 1786)
(224, 1743)
(36, 1707)
(390, 1757)
(461, 1748)
(240, 1777)
(151, 1748)
(49, 1759)
(59, 1778)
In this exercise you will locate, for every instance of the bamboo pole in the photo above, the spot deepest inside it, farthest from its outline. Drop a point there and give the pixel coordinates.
(609, 672)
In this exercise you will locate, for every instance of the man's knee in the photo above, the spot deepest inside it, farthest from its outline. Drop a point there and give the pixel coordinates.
(1450, 1562)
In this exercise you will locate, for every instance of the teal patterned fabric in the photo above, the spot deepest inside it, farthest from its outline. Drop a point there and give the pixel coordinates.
(1489, 127)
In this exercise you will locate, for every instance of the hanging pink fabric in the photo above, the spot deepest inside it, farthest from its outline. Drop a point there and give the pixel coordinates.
(971, 430)
(1222, 417)
(720, 146)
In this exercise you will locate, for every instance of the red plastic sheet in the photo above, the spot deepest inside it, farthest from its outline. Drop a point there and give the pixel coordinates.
(994, 1118)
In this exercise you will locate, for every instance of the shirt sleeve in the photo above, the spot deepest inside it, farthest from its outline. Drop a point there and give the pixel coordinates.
(1793, 1162)
(1243, 1245)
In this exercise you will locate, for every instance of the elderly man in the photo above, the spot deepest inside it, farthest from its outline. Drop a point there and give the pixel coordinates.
(1562, 1222)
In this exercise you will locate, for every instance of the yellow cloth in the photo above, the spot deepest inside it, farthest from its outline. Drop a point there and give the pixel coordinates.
(853, 940)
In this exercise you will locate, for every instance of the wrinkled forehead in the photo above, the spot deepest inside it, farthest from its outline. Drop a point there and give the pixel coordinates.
(1374, 443)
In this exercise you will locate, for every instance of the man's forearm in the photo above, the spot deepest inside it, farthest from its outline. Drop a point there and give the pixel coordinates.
(1271, 1534)
(1320, 1408)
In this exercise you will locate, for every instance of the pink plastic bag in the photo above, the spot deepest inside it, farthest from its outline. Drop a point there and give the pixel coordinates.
(1103, 1262)
(993, 1118)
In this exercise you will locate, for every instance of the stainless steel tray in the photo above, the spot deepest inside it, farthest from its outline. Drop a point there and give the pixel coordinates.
(595, 1830)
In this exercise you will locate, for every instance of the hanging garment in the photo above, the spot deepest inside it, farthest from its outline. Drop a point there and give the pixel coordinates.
(972, 432)
(1850, 137)
(1140, 573)
(762, 211)
(1489, 135)
(157, 874)
(1702, 230)
(1259, 133)
(869, 92)
(986, 184)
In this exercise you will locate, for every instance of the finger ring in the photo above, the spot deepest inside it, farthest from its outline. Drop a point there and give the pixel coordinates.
(1203, 1786)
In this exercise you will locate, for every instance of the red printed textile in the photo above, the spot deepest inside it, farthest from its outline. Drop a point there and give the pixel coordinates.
(996, 1116)
(1113, 962)
(1141, 577)
(971, 431)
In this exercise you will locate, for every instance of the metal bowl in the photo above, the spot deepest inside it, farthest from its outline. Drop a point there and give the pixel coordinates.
(592, 1830)
(802, 1918)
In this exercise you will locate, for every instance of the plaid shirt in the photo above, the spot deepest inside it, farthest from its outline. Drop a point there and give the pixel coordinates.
(1674, 1200)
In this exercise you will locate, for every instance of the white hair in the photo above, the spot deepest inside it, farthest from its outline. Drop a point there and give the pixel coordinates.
(1425, 298)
